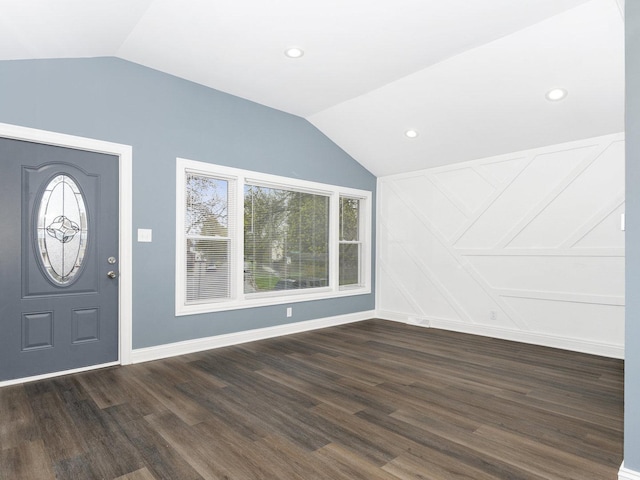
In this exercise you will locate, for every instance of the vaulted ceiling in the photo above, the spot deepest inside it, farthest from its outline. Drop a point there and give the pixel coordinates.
(470, 76)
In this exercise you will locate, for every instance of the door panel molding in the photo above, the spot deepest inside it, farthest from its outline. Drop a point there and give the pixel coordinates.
(125, 165)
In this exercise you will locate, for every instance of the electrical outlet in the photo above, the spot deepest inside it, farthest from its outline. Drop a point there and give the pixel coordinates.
(289, 311)
(493, 315)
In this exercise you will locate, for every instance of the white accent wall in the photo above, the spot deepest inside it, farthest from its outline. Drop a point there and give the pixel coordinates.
(527, 246)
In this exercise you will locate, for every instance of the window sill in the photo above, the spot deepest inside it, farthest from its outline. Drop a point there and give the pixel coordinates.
(266, 300)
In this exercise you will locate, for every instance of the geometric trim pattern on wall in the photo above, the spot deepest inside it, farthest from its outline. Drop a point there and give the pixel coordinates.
(526, 246)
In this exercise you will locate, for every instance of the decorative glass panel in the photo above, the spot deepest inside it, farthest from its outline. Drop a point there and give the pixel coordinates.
(62, 229)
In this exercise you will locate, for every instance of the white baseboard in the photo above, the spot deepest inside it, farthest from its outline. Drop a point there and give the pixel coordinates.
(626, 474)
(573, 344)
(393, 316)
(191, 346)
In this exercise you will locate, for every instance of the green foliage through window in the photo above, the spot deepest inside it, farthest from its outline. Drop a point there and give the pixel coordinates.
(350, 245)
(286, 239)
(251, 239)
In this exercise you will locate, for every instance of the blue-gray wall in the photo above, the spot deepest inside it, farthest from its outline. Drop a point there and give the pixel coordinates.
(164, 117)
(632, 277)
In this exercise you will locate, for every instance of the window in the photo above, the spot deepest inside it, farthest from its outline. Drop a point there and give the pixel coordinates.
(286, 239)
(208, 238)
(350, 243)
(247, 239)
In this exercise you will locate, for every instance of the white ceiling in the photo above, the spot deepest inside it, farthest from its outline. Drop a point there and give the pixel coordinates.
(469, 75)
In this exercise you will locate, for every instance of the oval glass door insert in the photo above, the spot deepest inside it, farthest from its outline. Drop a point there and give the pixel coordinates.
(62, 229)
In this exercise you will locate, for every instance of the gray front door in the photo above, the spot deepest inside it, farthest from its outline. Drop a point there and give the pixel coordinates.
(58, 259)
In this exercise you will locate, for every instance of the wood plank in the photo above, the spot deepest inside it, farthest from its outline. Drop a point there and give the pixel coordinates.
(142, 474)
(17, 424)
(433, 466)
(58, 431)
(27, 461)
(162, 461)
(372, 400)
(185, 441)
(456, 447)
(349, 465)
(106, 386)
(286, 459)
(164, 391)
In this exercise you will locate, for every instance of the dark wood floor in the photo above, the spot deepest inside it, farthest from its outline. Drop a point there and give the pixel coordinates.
(371, 400)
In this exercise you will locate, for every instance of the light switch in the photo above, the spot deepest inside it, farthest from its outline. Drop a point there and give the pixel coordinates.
(144, 234)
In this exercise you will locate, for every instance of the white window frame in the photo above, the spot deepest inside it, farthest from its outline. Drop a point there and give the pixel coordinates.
(232, 206)
(238, 299)
(361, 229)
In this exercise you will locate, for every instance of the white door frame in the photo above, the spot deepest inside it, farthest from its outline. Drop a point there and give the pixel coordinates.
(125, 154)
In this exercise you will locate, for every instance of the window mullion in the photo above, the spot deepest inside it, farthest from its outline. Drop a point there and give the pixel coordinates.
(237, 286)
(365, 237)
(334, 242)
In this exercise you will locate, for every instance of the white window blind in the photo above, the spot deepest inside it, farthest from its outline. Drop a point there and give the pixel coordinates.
(286, 239)
(208, 236)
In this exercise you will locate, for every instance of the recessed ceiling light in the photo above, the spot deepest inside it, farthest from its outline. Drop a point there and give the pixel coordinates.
(556, 94)
(411, 133)
(294, 52)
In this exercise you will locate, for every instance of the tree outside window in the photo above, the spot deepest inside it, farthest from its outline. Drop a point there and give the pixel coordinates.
(286, 238)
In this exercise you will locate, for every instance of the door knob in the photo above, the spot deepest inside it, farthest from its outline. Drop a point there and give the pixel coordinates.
(112, 274)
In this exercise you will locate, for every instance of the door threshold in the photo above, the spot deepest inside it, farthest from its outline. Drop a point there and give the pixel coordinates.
(16, 381)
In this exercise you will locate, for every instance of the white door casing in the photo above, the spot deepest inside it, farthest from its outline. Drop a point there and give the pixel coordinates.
(124, 153)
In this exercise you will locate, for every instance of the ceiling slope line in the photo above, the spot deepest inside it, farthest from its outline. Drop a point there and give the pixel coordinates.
(118, 51)
(445, 59)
